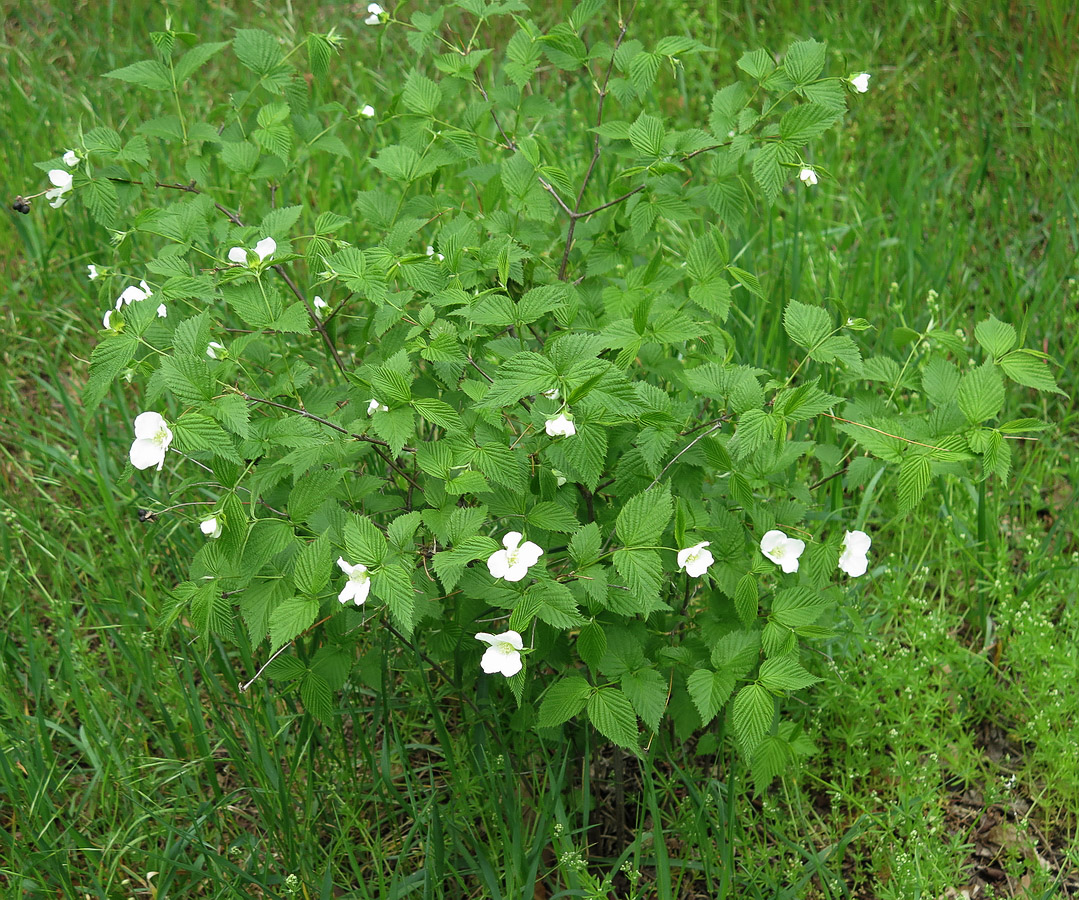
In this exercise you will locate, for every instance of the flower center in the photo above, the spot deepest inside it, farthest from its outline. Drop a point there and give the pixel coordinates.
(505, 647)
(358, 576)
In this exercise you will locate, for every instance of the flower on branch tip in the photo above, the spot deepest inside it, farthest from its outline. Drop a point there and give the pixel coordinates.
(211, 528)
(696, 559)
(263, 249)
(152, 439)
(368, 111)
(854, 560)
(373, 406)
(782, 550)
(61, 181)
(432, 252)
(860, 82)
(376, 12)
(560, 426)
(71, 158)
(162, 311)
(808, 176)
(503, 653)
(320, 305)
(514, 562)
(132, 294)
(92, 272)
(358, 585)
(214, 350)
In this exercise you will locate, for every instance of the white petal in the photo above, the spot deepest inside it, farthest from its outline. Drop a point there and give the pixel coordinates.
(529, 553)
(145, 453)
(347, 592)
(374, 9)
(344, 566)
(91, 271)
(368, 112)
(512, 540)
(498, 564)
(60, 178)
(363, 588)
(853, 564)
(516, 572)
(511, 664)
(71, 158)
(162, 312)
(238, 255)
(148, 424)
(857, 542)
(266, 247)
(486, 638)
(773, 540)
(108, 315)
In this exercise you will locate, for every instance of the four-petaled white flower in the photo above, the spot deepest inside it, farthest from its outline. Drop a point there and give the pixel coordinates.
(368, 111)
(358, 585)
(854, 560)
(263, 249)
(695, 560)
(860, 82)
(320, 305)
(782, 550)
(152, 439)
(373, 406)
(71, 158)
(808, 176)
(375, 17)
(214, 350)
(91, 271)
(61, 180)
(514, 562)
(560, 426)
(162, 311)
(552, 394)
(503, 653)
(211, 528)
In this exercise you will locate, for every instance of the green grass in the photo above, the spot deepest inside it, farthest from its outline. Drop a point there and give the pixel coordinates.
(946, 723)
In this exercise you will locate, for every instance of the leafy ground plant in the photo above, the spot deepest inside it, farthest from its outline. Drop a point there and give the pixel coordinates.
(488, 358)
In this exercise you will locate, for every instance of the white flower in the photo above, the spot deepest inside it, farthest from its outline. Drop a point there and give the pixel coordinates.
(503, 654)
(162, 312)
(808, 176)
(61, 180)
(358, 585)
(552, 394)
(320, 305)
(431, 252)
(91, 271)
(71, 158)
(376, 12)
(211, 528)
(132, 294)
(560, 426)
(860, 82)
(854, 560)
(263, 249)
(152, 439)
(514, 562)
(108, 316)
(782, 550)
(695, 560)
(368, 111)
(373, 406)
(214, 348)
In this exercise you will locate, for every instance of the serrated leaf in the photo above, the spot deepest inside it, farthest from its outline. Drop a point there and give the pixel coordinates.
(643, 518)
(291, 618)
(806, 325)
(806, 121)
(108, 360)
(364, 543)
(551, 516)
(646, 135)
(562, 701)
(592, 644)
(785, 673)
(915, 473)
(393, 585)
(769, 761)
(798, 606)
(709, 691)
(647, 692)
(805, 61)
(421, 95)
(751, 715)
(584, 546)
(438, 412)
(1031, 369)
(643, 573)
(612, 715)
(981, 393)
(996, 337)
(311, 567)
(756, 64)
(746, 598)
(317, 697)
(554, 604)
(147, 73)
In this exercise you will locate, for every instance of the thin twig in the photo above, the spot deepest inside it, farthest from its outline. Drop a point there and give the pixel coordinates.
(681, 452)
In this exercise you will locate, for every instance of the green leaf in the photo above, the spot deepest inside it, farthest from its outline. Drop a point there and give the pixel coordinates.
(647, 692)
(769, 761)
(147, 73)
(554, 604)
(644, 517)
(756, 64)
(646, 135)
(1030, 368)
(709, 691)
(421, 95)
(108, 360)
(364, 543)
(519, 376)
(785, 673)
(195, 431)
(311, 491)
(592, 644)
(771, 167)
(806, 121)
(996, 337)
(914, 476)
(317, 697)
(195, 58)
(562, 701)
(806, 325)
(291, 618)
(99, 196)
(751, 715)
(981, 393)
(940, 380)
(805, 61)
(311, 567)
(613, 716)
(551, 516)
(393, 585)
(746, 600)
(438, 412)
(258, 50)
(798, 606)
(584, 546)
